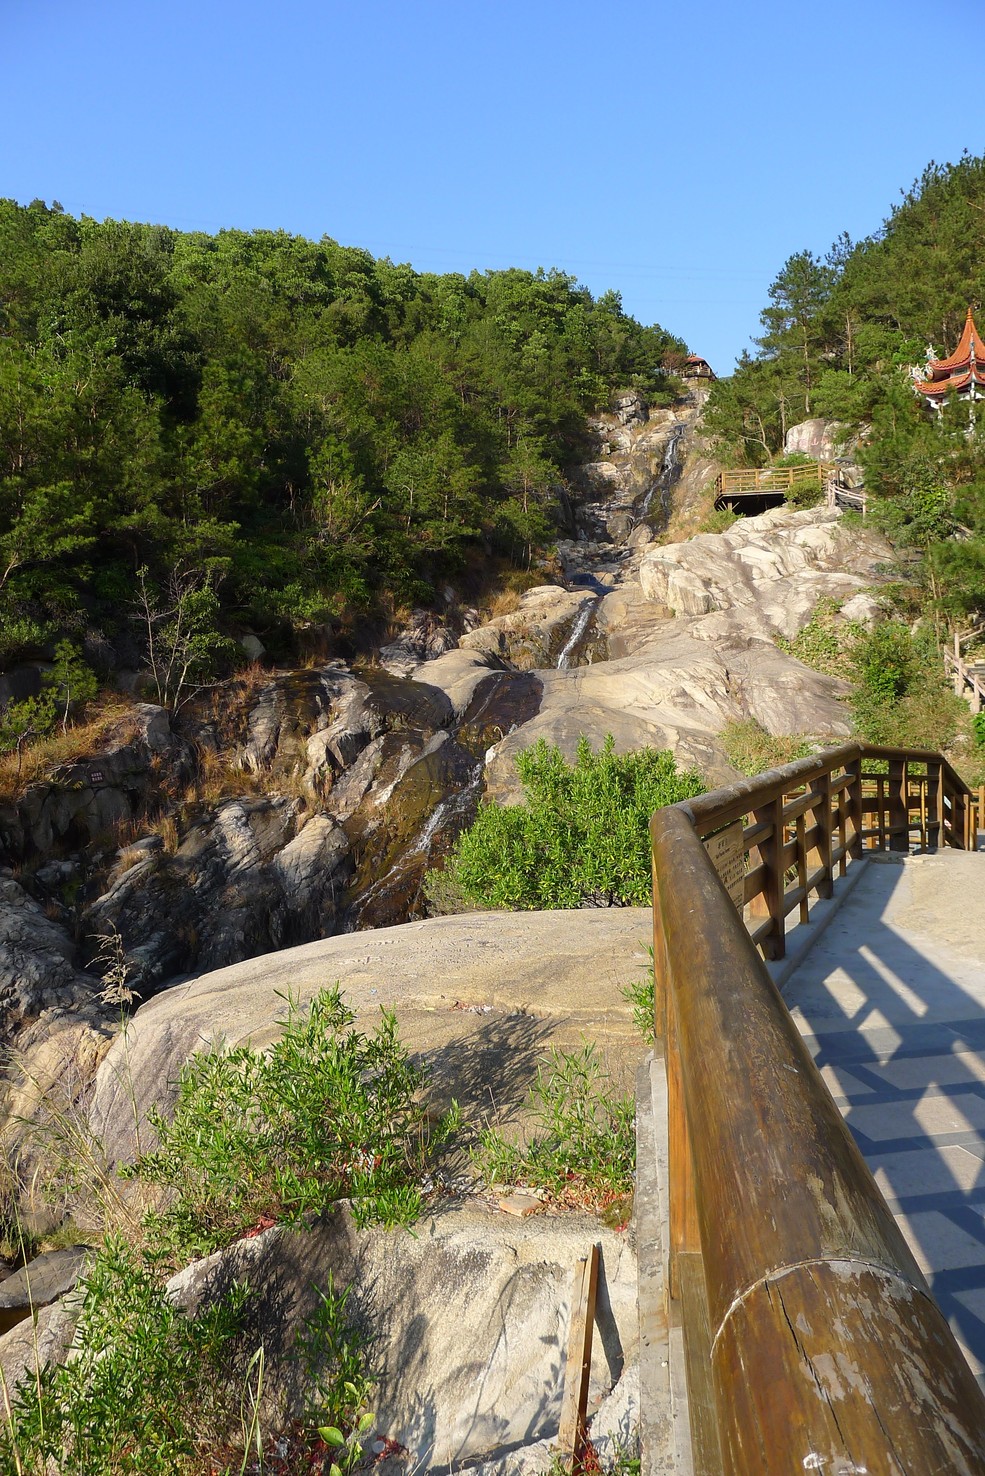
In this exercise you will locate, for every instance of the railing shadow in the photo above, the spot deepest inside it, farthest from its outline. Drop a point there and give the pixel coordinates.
(900, 1040)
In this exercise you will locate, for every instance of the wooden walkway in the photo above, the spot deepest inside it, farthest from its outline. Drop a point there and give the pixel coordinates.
(891, 1002)
(796, 1329)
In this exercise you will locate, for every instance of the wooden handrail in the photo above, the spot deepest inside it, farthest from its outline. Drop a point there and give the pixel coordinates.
(824, 1348)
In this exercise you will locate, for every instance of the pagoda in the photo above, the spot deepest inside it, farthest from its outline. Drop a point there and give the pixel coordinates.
(961, 375)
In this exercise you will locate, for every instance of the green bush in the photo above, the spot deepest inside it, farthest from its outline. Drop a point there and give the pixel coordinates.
(141, 1395)
(580, 834)
(325, 1114)
(255, 1137)
(585, 1143)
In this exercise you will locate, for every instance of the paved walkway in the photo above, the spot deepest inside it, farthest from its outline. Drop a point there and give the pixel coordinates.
(891, 1000)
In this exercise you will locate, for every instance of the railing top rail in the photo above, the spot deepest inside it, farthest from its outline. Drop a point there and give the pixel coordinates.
(718, 807)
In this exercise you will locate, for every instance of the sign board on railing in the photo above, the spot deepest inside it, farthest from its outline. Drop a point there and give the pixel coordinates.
(728, 857)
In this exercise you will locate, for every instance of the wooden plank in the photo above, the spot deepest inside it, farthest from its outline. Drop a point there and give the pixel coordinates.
(706, 1451)
(574, 1400)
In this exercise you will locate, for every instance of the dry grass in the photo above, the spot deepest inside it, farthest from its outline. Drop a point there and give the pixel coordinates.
(506, 602)
(110, 719)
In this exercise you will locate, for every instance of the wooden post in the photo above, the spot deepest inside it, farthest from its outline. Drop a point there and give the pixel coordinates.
(854, 769)
(685, 1236)
(899, 812)
(574, 1401)
(770, 902)
(823, 819)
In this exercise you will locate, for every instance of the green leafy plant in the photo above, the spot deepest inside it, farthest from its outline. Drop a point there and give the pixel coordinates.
(141, 1393)
(580, 834)
(584, 1143)
(641, 995)
(325, 1114)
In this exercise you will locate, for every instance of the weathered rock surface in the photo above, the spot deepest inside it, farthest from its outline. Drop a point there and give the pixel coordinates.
(821, 439)
(473, 1312)
(253, 874)
(480, 996)
(91, 797)
(36, 961)
(770, 571)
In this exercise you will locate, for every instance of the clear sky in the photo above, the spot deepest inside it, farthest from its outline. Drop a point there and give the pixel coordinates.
(678, 152)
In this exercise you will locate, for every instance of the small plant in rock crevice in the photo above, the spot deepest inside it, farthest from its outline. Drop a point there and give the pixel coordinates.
(641, 995)
(583, 1148)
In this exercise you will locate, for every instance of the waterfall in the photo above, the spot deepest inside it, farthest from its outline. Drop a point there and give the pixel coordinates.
(581, 624)
(668, 476)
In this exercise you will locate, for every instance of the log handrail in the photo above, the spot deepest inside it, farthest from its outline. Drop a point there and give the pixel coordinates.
(825, 1348)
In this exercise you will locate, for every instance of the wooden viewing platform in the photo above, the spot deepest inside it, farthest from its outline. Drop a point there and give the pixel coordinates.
(759, 487)
(804, 1324)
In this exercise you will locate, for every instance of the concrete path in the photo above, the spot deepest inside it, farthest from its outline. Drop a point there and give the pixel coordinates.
(891, 1001)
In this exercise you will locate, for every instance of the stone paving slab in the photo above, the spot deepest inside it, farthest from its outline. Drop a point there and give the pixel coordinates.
(891, 1002)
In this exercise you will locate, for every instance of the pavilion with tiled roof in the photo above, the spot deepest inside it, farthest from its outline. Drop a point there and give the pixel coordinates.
(961, 374)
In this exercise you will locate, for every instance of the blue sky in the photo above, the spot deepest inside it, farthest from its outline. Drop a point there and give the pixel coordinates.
(677, 152)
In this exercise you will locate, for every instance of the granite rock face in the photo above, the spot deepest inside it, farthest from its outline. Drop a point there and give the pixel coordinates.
(476, 1308)
(37, 971)
(823, 440)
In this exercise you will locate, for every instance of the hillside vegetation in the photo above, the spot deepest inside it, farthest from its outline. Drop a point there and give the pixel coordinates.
(260, 429)
(839, 337)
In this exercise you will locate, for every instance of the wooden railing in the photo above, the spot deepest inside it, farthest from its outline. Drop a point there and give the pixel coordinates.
(968, 682)
(812, 1340)
(760, 480)
(839, 494)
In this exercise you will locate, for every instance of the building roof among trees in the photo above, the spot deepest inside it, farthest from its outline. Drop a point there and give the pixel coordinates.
(956, 374)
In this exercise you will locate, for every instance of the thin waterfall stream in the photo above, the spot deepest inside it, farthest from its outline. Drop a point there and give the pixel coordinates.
(668, 476)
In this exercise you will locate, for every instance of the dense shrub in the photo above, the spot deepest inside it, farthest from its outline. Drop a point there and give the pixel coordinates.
(325, 1114)
(580, 834)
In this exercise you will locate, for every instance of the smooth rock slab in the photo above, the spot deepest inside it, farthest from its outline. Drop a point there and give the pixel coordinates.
(470, 1314)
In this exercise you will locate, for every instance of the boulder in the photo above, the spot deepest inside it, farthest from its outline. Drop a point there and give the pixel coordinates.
(534, 978)
(37, 971)
(44, 1338)
(44, 1280)
(820, 439)
(471, 1313)
(425, 638)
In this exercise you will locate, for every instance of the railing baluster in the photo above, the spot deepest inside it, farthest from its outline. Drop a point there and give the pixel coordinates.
(823, 819)
(770, 901)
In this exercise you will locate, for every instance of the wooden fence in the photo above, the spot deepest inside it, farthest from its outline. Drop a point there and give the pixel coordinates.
(812, 1342)
(760, 481)
(969, 681)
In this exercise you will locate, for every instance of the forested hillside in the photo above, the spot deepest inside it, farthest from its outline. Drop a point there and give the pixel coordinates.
(839, 337)
(287, 426)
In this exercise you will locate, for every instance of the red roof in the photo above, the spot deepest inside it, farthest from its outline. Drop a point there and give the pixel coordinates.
(970, 347)
(953, 385)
